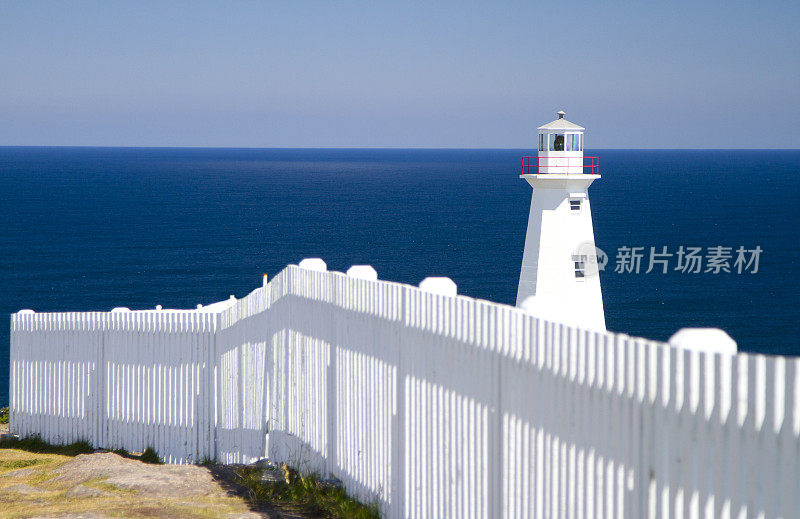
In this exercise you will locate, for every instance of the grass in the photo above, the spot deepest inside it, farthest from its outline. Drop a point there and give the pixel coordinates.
(100, 484)
(4, 414)
(150, 456)
(306, 493)
(18, 464)
(37, 445)
(44, 462)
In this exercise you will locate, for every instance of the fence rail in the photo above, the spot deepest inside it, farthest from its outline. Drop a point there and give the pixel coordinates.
(438, 406)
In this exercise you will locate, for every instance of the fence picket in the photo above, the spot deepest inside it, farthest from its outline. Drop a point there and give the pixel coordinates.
(436, 405)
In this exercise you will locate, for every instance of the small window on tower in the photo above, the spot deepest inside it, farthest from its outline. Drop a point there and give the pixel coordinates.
(575, 204)
(541, 142)
(580, 266)
(558, 143)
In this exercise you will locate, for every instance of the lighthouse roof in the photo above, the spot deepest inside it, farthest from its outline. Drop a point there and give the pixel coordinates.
(561, 124)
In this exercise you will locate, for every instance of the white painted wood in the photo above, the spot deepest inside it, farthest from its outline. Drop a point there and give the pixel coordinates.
(551, 284)
(711, 340)
(363, 272)
(437, 405)
(313, 264)
(439, 285)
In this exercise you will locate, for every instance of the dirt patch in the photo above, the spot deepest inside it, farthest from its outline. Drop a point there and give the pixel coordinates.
(105, 485)
(19, 473)
(89, 515)
(154, 480)
(21, 489)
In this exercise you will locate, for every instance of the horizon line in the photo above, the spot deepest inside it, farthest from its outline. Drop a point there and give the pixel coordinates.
(432, 148)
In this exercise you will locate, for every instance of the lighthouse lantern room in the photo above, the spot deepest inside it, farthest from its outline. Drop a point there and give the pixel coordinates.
(559, 277)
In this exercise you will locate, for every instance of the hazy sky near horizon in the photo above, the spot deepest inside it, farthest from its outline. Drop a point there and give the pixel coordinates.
(345, 73)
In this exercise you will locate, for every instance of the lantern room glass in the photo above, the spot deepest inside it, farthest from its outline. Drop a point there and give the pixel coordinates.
(573, 142)
(560, 142)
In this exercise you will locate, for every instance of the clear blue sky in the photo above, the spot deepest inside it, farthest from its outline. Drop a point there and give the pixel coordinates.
(308, 73)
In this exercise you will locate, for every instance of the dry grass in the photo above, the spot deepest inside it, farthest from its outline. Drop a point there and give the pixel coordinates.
(42, 480)
(28, 487)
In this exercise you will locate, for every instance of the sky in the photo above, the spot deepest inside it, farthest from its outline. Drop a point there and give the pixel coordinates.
(431, 74)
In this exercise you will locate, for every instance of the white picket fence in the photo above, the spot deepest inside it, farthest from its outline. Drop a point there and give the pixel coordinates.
(437, 406)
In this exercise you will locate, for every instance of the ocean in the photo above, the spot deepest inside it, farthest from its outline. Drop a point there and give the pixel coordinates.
(93, 228)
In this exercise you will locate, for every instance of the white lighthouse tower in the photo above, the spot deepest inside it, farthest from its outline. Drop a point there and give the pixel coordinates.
(559, 278)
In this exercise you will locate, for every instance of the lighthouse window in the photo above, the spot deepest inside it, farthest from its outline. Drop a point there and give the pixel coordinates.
(580, 266)
(557, 143)
(575, 204)
(574, 142)
(541, 142)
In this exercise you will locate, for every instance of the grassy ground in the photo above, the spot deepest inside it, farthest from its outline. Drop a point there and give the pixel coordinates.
(36, 480)
(43, 480)
(307, 495)
(33, 490)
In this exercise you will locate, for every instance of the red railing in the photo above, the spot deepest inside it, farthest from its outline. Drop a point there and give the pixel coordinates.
(531, 165)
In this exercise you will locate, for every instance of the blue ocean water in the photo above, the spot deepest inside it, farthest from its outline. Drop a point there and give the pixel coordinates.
(94, 228)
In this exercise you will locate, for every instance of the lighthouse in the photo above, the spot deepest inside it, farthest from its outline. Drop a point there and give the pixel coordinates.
(559, 277)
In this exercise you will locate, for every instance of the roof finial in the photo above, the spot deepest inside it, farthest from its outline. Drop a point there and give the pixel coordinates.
(561, 114)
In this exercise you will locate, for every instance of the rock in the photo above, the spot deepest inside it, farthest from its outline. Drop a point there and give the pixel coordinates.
(19, 473)
(330, 482)
(272, 475)
(80, 491)
(264, 463)
(153, 480)
(21, 489)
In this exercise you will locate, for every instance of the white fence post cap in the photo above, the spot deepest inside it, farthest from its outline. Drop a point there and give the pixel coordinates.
(120, 309)
(710, 340)
(266, 280)
(363, 272)
(313, 264)
(439, 285)
(27, 311)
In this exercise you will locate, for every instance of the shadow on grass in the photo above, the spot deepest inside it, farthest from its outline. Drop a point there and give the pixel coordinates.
(287, 494)
(36, 445)
(148, 456)
(284, 493)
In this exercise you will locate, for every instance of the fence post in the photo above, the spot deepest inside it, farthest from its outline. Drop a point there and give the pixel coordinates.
(363, 272)
(331, 423)
(398, 459)
(711, 340)
(439, 285)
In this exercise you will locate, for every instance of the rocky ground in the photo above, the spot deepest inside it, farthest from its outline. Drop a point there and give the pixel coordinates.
(76, 481)
(103, 484)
